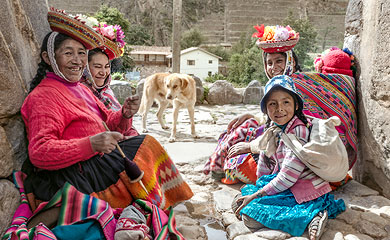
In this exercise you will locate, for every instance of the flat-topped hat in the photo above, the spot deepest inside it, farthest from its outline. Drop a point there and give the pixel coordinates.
(277, 38)
(74, 27)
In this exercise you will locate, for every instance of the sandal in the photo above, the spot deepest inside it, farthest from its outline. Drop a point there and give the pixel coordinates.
(317, 225)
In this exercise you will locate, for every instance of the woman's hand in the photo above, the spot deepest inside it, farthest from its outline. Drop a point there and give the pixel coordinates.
(245, 200)
(131, 106)
(105, 142)
(239, 148)
(237, 121)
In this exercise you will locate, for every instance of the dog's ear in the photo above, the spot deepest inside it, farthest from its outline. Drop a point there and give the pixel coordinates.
(184, 82)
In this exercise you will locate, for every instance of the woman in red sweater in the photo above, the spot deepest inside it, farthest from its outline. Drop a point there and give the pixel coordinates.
(68, 141)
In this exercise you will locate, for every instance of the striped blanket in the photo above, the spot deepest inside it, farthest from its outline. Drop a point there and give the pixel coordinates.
(76, 207)
(327, 95)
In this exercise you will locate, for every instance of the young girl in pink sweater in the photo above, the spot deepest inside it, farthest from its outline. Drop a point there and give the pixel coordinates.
(288, 195)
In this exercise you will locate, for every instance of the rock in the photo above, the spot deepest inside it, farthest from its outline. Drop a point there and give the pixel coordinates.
(237, 229)
(253, 93)
(9, 201)
(223, 92)
(249, 237)
(223, 200)
(229, 218)
(16, 136)
(140, 87)
(199, 90)
(371, 229)
(350, 216)
(122, 90)
(272, 234)
(332, 235)
(357, 237)
(6, 159)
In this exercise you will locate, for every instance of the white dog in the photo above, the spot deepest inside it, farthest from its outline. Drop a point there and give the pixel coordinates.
(178, 89)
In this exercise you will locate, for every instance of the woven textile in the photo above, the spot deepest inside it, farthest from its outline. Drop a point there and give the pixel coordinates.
(327, 95)
(162, 179)
(216, 162)
(75, 206)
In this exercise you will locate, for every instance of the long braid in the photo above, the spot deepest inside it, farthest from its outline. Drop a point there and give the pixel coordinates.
(43, 67)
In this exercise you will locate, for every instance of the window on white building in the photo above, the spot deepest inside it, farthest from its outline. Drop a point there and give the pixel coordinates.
(209, 73)
(191, 62)
(210, 61)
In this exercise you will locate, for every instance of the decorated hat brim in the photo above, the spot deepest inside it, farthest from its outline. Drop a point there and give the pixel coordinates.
(111, 49)
(62, 23)
(278, 46)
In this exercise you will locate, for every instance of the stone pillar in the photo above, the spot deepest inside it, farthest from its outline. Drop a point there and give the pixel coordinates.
(23, 27)
(367, 35)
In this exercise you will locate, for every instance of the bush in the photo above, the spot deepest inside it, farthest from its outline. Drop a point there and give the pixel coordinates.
(215, 77)
(307, 39)
(191, 38)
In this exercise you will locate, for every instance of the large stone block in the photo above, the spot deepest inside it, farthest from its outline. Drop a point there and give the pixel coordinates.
(9, 201)
(223, 92)
(367, 35)
(253, 93)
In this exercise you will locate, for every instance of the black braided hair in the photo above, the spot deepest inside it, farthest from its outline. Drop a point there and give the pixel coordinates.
(297, 66)
(43, 67)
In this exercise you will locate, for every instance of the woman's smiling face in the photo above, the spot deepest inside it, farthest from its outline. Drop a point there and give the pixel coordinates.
(280, 106)
(275, 64)
(71, 58)
(99, 66)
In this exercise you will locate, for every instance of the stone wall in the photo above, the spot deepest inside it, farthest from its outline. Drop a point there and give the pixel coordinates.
(23, 26)
(368, 36)
(236, 17)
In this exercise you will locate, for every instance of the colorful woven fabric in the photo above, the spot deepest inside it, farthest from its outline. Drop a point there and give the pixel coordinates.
(331, 95)
(59, 21)
(75, 206)
(162, 179)
(162, 223)
(217, 160)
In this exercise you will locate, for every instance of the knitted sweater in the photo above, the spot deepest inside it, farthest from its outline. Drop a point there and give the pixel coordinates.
(59, 125)
(291, 172)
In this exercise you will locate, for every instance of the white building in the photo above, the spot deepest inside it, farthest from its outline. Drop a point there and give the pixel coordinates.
(198, 62)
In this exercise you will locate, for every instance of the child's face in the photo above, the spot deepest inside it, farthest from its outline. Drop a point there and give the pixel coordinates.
(280, 106)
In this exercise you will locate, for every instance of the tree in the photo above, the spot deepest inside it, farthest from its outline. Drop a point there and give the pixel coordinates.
(192, 38)
(219, 51)
(307, 38)
(245, 67)
(112, 16)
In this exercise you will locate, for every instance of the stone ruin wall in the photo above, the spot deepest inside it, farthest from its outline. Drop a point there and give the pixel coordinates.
(367, 24)
(239, 17)
(368, 36)
(23, 28)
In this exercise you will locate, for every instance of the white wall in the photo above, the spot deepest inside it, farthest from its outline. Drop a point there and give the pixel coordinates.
(202, 65)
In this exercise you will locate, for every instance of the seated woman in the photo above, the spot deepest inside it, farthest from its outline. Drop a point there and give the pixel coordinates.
(278, 59)
(288, 194)
(68, 142)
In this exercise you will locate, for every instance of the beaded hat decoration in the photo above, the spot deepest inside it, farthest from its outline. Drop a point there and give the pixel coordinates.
(74, 27)
(275, 38)
(113, 40)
